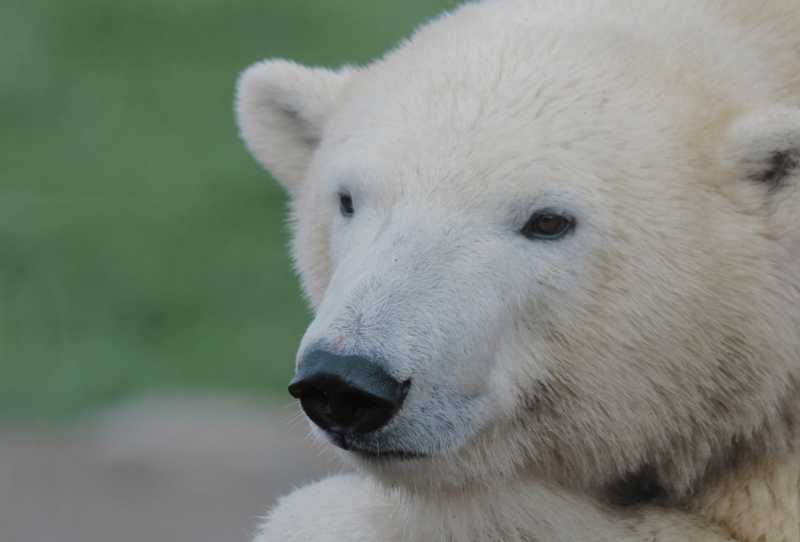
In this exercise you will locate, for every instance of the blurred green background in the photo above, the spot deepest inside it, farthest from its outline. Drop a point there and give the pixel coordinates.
(141, 248)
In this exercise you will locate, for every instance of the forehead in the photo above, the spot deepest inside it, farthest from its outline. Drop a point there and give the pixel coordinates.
(450, 115)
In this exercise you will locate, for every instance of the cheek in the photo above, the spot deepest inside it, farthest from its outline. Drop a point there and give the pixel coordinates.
(502, 384)
(521, 361)
(351, 237)
(540, 325)
(311, 244)
(339, 241)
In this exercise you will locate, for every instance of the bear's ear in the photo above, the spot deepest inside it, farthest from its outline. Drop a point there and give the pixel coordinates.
(281, 110)
(765, 146)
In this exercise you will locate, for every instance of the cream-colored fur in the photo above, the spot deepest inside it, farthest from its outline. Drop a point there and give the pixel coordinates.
(353, 509)
(657, 344)
(756, 502)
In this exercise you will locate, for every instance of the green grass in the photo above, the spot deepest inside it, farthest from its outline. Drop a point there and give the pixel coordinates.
(140, 246)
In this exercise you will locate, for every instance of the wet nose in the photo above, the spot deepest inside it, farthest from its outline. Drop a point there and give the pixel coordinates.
(346, 394)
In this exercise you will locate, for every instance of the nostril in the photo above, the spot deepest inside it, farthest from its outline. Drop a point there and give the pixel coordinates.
(297, 389)
(371, 413)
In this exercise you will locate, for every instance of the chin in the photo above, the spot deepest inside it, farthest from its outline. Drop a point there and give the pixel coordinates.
(391, 465)
(415, 471)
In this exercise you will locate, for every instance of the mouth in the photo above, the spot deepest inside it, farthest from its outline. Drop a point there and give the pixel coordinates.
(373, 454)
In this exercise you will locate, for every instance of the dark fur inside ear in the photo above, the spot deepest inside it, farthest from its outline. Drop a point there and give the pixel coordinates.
(779, 166)
(309, 134)
(764, 145)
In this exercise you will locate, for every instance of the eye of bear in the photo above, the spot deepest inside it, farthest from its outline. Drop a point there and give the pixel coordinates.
(346, 205)
(548, 225)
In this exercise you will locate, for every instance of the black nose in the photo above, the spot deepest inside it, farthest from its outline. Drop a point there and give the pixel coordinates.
(346, 394)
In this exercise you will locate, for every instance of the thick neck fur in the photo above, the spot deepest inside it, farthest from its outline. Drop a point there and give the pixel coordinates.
(510, 512)
(528, 511)
(756, 503)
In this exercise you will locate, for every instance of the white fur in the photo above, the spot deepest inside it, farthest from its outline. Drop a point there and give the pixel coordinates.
(662, 335)
(349, 508)
(282, 107)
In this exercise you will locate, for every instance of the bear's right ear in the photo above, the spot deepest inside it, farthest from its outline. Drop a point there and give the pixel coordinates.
(281, 109)
(764, 146)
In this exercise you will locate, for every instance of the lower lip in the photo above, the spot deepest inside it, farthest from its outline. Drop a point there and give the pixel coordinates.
(383, 455)
(389, 455)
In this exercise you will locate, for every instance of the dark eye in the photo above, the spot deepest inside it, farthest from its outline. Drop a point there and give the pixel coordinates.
(548, 226)
(346, 205)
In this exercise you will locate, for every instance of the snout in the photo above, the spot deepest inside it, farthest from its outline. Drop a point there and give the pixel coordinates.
(347, 394)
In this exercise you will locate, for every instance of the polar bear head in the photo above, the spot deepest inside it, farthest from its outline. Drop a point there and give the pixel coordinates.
(529, 253)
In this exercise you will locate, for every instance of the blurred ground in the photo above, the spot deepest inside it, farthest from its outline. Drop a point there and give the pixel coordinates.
(158, 470)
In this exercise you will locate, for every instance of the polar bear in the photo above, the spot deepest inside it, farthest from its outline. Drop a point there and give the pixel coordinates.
(553, 250)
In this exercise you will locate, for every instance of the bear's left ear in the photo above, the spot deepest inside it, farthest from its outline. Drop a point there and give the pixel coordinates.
(282, 108)
(765, 146)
